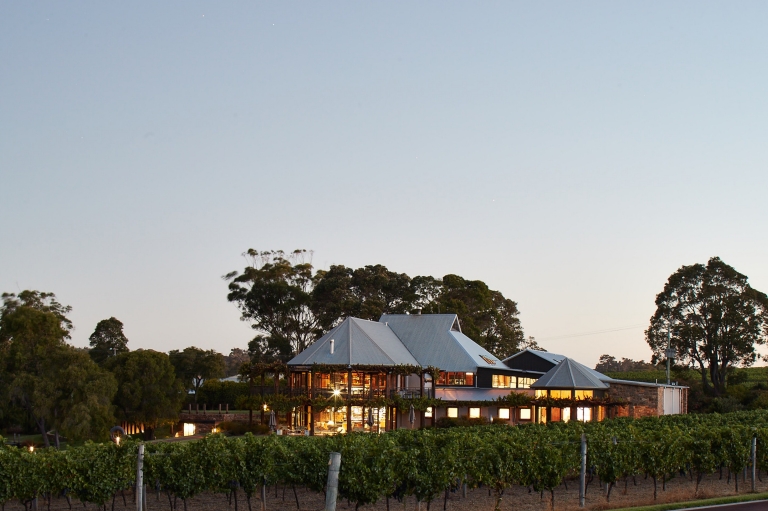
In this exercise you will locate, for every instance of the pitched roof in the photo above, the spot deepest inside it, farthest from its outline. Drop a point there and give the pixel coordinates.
(555, 359)
(569, 374)
(436, 340)
(356, 342)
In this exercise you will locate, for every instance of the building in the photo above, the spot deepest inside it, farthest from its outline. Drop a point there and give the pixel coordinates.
(409, 370)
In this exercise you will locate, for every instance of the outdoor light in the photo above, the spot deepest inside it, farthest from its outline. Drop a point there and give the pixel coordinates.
(117, 440)
(265, 407)
(31, 448)
(336, 392)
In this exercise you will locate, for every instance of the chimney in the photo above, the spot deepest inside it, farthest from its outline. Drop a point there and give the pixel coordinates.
(331, 346)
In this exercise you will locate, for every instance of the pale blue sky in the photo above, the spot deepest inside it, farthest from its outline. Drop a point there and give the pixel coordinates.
(571, 155)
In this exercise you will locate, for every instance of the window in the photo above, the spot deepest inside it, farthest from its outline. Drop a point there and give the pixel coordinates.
(524, 383)
(428, 412)
(189, 429)
(583, 414)
(541, 393)
(560, 394)
(474, 413)
(583, 394)
(504, 413)
(456, 379)
(453, 412)
(566, 414)
(525, 414)
(502, 381)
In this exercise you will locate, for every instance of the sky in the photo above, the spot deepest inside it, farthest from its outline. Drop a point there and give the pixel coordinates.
(572, 155)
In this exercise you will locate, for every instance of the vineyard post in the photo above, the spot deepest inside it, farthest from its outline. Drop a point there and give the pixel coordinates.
(140, 478)
(754, 462)
(332, 490)
(583, 472)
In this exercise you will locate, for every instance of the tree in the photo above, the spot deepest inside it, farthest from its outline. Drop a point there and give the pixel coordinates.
(58, 386)
(291, 305)
(273, 293)
(236, 358)
(148, 391)
(107, 340)
(713, 318)
(194, 366)
(608, 363)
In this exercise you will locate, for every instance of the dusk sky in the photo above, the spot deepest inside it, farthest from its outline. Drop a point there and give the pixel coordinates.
(572, 155)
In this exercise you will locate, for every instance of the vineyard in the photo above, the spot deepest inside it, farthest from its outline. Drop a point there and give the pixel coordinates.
(424, 464)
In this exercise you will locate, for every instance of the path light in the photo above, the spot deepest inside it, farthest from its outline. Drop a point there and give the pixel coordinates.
(117, 440)
(31, 448)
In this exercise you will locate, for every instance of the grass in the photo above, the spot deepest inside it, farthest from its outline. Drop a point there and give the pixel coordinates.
(698, 503)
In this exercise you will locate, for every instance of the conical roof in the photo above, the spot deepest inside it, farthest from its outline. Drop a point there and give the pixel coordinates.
(569, 374)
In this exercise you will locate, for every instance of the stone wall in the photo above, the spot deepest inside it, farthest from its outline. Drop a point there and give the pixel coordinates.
(642, 401)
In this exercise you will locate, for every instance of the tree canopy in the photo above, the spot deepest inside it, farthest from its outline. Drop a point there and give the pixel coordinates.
(56, 385)
(714, 320)
(107, 340)
(290, 304)
(148, 390)
(194, 365)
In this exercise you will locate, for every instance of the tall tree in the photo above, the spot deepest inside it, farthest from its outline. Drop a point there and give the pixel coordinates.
(45, 376)
(107, 340)
(148, 391)
(194, 366)
(274, 293)
(714, 320)
(290, 305)
(236, 358)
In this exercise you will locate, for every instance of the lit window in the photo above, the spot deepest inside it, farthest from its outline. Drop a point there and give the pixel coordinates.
(474, 413)
(583, 394)
(189, 429)
(566, 414)
(541, 393)
(524, 383)
(560, 394)
(502, 381)
(504, 413)
(583, 414)
(525, 414)
(428, 413)
(453, 412)
(456, 379)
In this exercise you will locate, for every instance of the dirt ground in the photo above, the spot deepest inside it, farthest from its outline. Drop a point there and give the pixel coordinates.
(516, 498)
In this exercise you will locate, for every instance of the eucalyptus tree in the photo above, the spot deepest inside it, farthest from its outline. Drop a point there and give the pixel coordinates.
(712, 318)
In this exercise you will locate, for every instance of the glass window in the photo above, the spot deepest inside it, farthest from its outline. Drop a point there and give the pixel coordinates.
(584, 394)
(504, 413)
(428, 412)
(189, 429)
(502, 381)
(456, 379)
(525, 414)
(474, 413)
(566, 414)
(560, 394)
(453, 412)
(583, 414)
(541, 393)
(524, 383)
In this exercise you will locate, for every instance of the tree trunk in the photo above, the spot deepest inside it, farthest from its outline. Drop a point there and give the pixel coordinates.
(41, 426)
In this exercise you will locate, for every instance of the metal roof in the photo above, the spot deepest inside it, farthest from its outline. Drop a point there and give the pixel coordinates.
(555, 359)
(569, 374)
(436, 340)
(356, 342)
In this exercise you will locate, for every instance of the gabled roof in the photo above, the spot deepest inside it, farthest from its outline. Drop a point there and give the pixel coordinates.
(356, 342)
(554, 359)
(569, 374)
(436, 340)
